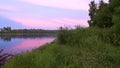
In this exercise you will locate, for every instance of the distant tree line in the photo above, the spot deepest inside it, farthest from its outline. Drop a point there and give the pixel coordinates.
(7, 31)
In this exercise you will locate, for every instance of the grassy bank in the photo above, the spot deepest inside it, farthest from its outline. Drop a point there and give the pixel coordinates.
(80, 48)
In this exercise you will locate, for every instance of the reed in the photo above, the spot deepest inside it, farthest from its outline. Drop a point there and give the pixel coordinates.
(4, 57)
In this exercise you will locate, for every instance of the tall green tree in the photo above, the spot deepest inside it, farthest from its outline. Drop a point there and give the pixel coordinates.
(103, 17)
(108, 16)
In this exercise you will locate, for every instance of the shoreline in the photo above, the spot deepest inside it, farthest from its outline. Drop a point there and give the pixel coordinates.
(85, 48)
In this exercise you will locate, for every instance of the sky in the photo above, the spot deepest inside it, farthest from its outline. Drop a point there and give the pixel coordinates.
(44, 14)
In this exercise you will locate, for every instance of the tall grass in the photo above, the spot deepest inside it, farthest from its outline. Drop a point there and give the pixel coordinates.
(79, 48)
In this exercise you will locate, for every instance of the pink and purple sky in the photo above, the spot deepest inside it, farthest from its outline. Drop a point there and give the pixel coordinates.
(44, 14)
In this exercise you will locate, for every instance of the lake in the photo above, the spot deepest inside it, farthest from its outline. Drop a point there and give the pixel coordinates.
(21, 45)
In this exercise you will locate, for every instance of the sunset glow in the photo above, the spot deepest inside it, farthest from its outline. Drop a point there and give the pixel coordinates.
(44, 14)
(27, 45)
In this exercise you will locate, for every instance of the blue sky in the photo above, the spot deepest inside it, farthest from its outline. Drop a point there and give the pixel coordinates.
(44, 14)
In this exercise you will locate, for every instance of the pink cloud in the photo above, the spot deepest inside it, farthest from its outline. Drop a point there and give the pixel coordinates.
(8, 8)
(37, 23)
(51, 23)
(66, 4)
(72, 22)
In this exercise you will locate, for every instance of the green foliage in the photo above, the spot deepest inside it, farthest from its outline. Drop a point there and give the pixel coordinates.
(84, 48)
(62, 35)
(108, 17)
(103, 18)
(114, 4)
(66, 36)
(116, 27)
(116, 16)
(104, 14)
(100, 15)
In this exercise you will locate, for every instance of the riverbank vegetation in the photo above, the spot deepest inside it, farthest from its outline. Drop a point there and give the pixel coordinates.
(95, 47)
(80, 48)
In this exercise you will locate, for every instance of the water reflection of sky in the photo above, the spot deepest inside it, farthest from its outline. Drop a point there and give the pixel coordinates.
(18, 45)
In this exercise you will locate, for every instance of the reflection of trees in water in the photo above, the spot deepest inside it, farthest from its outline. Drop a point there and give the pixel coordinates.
(7, 34)
(6, 38)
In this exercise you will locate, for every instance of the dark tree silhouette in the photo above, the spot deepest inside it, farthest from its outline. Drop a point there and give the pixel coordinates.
(92, 12)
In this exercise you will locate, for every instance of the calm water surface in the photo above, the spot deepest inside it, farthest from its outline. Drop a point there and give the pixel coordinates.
(20, 45)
